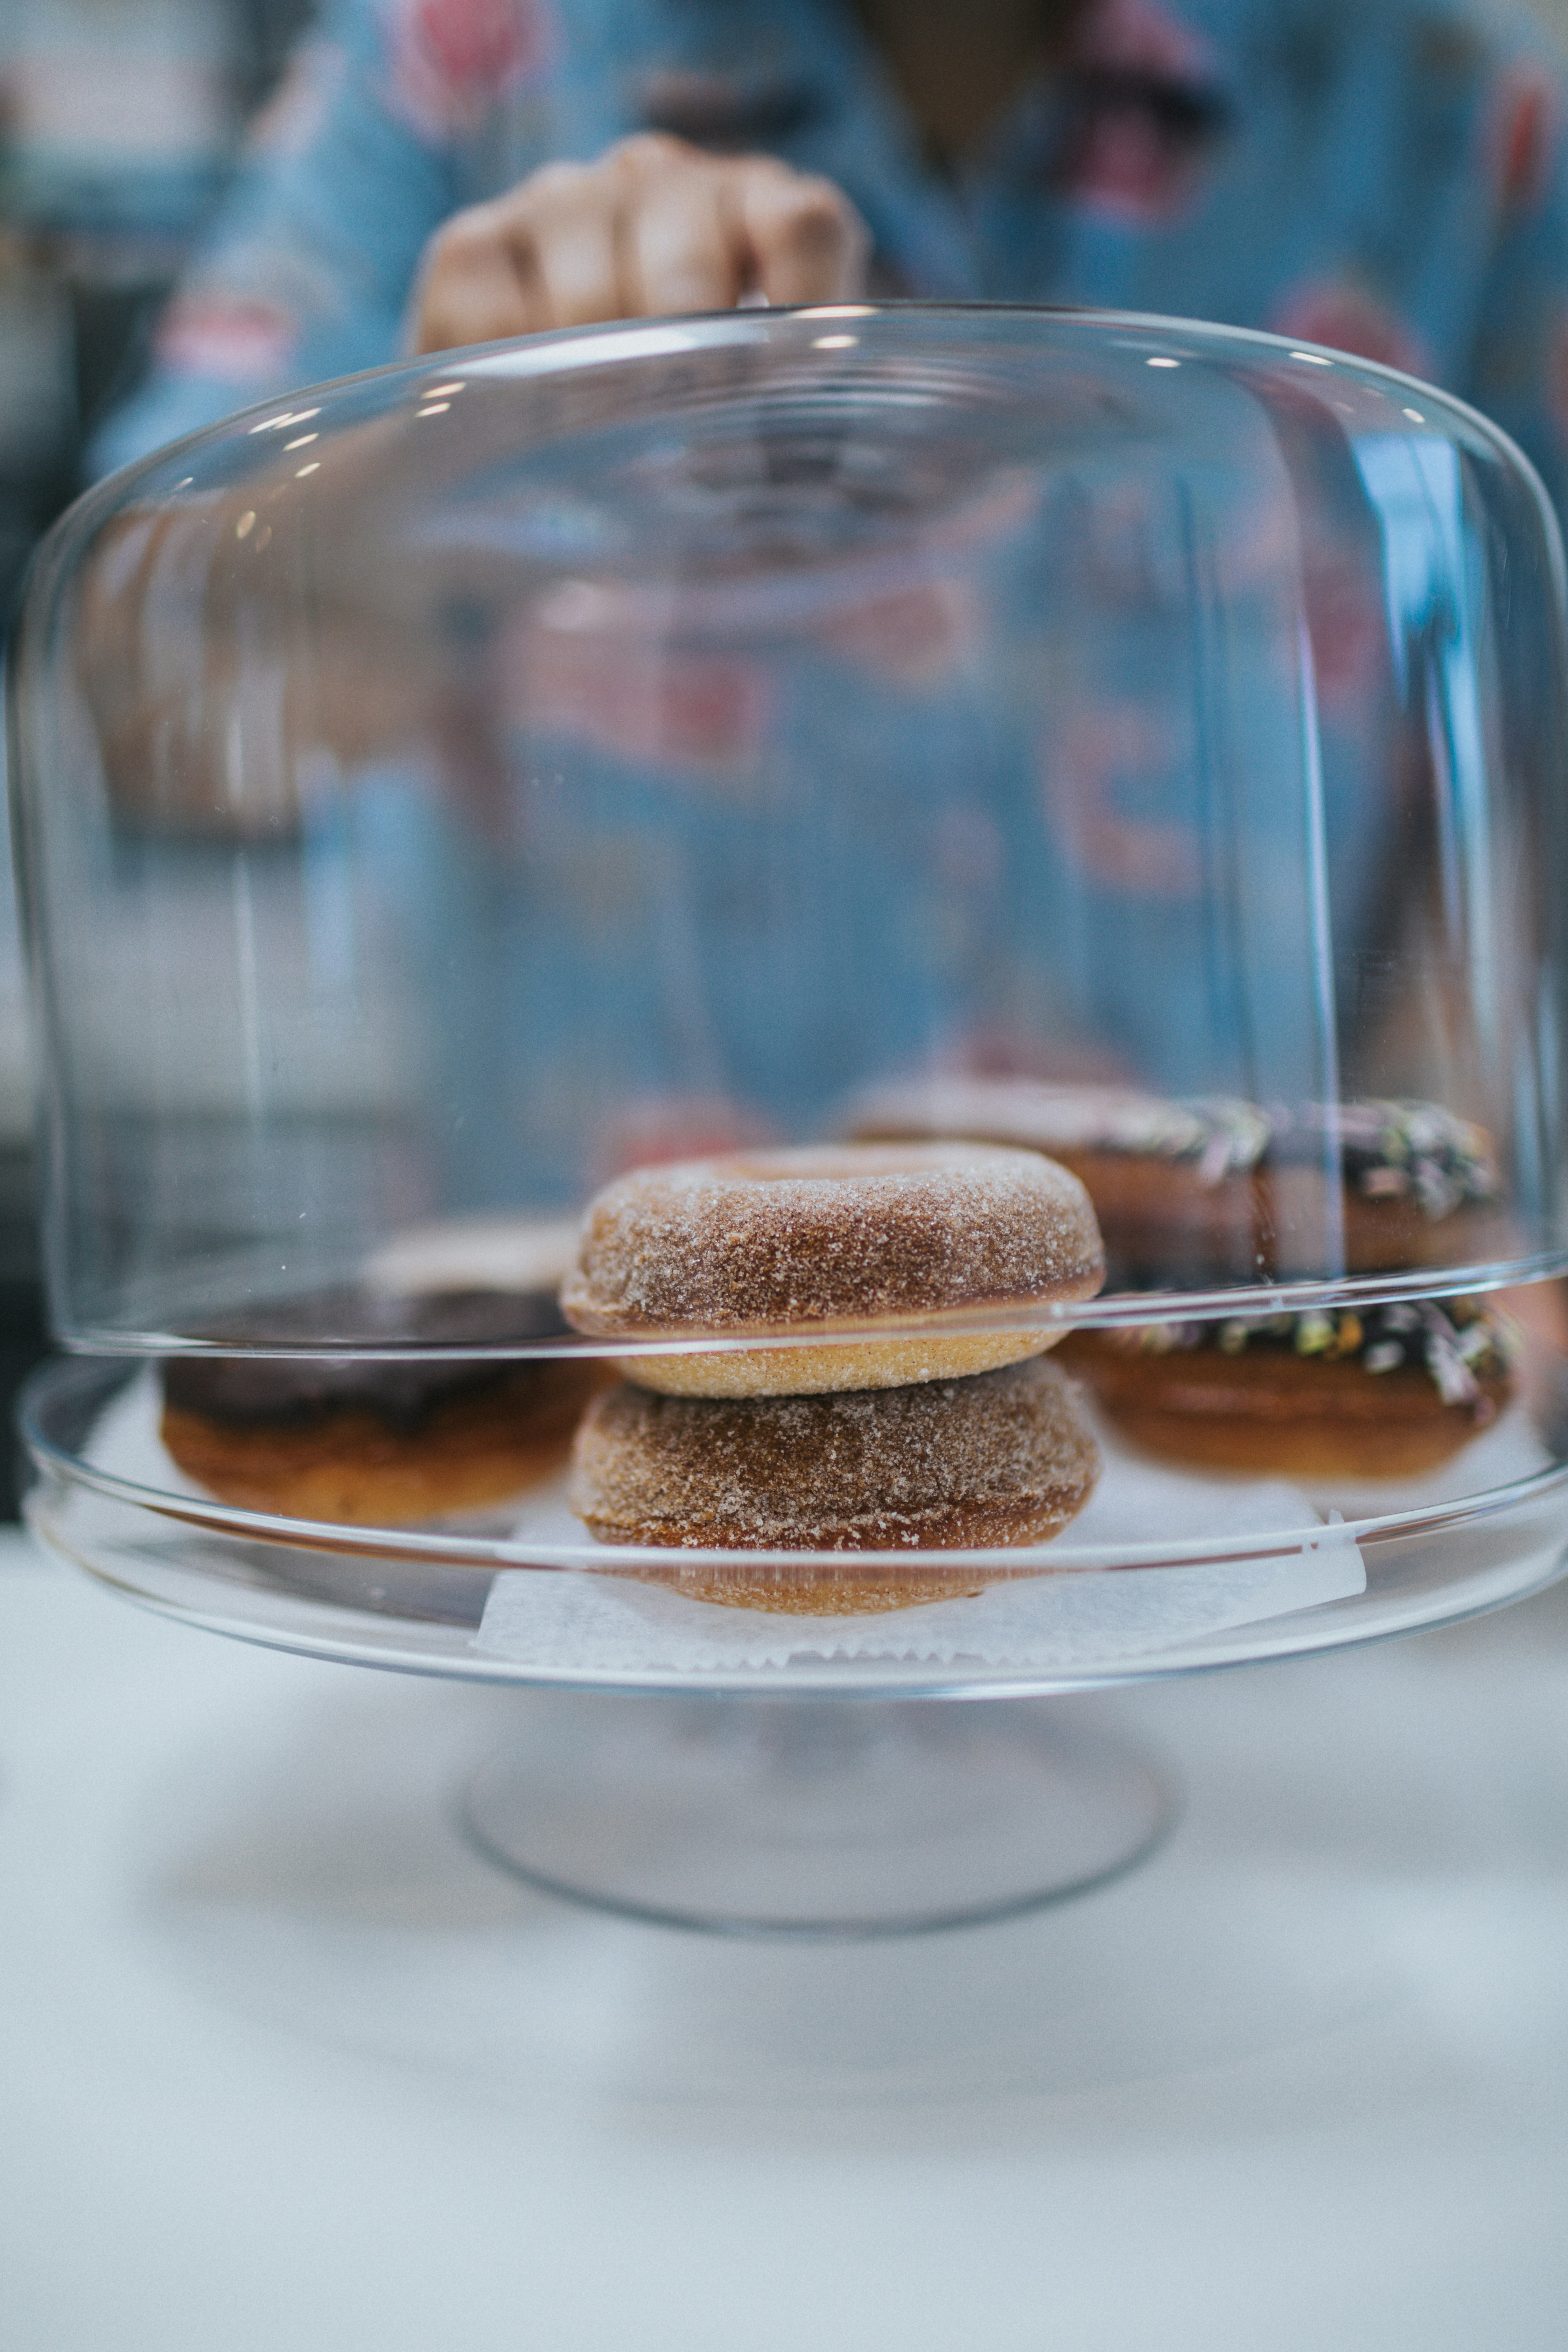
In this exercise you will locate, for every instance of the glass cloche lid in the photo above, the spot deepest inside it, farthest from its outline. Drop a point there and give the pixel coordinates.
(467, 781)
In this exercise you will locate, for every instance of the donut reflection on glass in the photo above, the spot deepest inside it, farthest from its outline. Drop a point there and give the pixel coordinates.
(873, 1439)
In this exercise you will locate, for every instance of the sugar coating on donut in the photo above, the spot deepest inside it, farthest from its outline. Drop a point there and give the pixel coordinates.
(1003, 1458)
(832, 1237)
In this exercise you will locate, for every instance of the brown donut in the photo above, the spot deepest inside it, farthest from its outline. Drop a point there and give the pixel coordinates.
(369, 1441)
(833, 1240)
(1386, 1393)
(1000, 1458)
(1415, 1186)
(1174, 1185)
(1219, 1191)
(359, 1469)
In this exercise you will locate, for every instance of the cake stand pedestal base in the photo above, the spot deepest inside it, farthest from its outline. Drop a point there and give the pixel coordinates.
(804, 1817)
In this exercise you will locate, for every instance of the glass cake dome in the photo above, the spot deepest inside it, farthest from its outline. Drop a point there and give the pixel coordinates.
(471, 780)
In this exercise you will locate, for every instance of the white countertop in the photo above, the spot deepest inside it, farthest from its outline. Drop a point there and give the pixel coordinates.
(282, 2064)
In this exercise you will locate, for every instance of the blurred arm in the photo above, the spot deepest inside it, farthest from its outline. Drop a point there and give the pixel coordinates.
(306, 272)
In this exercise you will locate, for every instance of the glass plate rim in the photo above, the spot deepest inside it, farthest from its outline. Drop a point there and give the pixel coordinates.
(1108, 1310)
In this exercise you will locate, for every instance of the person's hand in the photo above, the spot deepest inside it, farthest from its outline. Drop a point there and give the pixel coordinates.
(653, 226)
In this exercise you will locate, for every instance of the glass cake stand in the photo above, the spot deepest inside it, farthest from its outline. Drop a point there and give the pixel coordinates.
(752, 1794)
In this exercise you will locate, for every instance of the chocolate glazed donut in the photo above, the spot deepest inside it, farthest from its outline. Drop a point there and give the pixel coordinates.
(1176, 1185)
(1384, 1393)
(369, 1441)
(1217, 1190)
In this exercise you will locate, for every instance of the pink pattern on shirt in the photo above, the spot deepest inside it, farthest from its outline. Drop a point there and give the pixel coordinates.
(1124, 160)
(1102, 774)
(1346, 624)
(639, 700)
(915, 636)
(232, 339)
(1525, 124)
(452, 59)
(1135, 37)
(1557, 375)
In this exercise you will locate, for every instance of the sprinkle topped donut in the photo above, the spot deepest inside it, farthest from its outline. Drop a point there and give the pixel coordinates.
(833, 1239)
(1217, 1190)
(1382, 1392)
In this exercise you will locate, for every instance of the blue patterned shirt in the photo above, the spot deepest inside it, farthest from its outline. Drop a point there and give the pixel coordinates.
(1391, 179)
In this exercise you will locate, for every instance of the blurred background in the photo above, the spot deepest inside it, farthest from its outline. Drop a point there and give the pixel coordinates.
(120, 120)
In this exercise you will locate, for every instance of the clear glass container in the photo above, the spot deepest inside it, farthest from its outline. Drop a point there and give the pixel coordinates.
(467, 782)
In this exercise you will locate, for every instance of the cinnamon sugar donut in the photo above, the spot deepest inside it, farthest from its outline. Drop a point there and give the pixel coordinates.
(1001, 1458)
(833, 1240)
